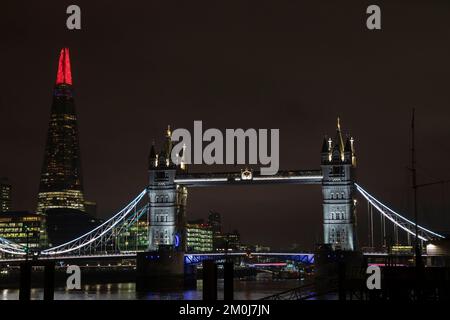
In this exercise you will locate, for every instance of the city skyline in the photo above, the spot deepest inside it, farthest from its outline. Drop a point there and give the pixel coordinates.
(126, 102)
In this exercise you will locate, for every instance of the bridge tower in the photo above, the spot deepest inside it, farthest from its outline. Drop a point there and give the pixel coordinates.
(167, 201)
(162, 266)
(339, 203)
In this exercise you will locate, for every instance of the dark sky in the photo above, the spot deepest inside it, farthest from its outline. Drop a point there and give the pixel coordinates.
(141, 65)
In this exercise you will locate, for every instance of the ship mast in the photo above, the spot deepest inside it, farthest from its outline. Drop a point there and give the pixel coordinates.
(417, 248)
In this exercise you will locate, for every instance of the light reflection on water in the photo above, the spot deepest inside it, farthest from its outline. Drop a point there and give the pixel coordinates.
(243, 290)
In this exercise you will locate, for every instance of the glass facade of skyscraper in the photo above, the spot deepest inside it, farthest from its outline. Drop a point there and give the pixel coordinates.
(61, 180)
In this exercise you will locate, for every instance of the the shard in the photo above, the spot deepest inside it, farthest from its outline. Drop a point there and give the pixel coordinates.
(61, 183)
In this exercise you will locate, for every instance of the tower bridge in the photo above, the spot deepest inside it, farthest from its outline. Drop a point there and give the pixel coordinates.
(164, 201)
(169, 182)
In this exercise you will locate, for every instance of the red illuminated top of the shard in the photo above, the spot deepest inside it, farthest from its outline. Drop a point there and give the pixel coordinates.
(64, 75)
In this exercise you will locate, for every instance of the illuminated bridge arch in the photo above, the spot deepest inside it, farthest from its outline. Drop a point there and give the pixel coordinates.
(9, 247)
(397, 219)
(104, 232)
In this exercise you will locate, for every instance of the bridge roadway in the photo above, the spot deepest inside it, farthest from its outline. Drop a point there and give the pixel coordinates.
(195, 258)
(249, 177)
(190, 258)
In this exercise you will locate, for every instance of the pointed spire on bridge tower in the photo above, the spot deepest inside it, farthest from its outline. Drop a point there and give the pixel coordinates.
(153, 157)
(348, 145)
(339, 141)
(325, 151)
(352, 145)
(165, 154)
(325, 145)
(348, 150)
(183, 165)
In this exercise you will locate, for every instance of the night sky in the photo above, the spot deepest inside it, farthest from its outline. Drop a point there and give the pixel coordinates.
(141, 65)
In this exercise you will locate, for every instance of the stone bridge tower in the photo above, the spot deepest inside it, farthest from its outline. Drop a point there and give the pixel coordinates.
(162, 265)
(167, 200)
(339, 203)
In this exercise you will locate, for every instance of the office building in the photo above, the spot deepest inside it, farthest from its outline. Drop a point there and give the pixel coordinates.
(24, 228)
(199, 237)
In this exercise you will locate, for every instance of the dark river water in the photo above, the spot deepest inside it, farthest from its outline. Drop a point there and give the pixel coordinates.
(243, 290)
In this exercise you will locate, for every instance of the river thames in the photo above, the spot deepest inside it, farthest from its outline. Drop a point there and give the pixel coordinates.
(243, 290)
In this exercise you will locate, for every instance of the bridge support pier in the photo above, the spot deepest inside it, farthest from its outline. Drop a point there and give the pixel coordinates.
(228, 278)
(25, 281)
(190, 276)
(341, 281)
(338, 270)
(49, 281)
(159, 270)
(209, 280)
